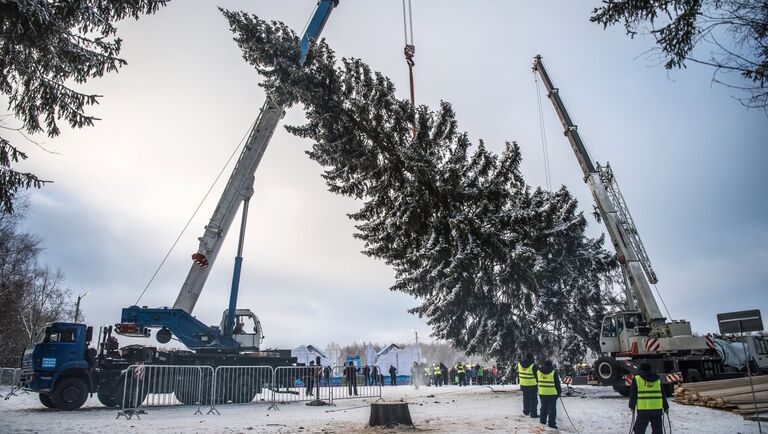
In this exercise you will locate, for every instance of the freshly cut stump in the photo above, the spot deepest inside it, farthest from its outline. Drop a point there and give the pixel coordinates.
(389, 414)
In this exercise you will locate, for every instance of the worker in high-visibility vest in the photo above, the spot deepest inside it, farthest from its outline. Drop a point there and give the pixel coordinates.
(462, 377)
(526, 377)
(647, 396)
(548, 383)
(438, 375)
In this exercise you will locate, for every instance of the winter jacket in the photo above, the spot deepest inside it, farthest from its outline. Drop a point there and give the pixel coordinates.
(647, 376)
(545, 370)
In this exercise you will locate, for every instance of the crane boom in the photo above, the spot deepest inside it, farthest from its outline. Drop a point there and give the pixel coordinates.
(614, 212)
(240, 185)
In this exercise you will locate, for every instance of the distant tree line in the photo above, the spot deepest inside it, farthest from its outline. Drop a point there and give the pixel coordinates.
(31, 294)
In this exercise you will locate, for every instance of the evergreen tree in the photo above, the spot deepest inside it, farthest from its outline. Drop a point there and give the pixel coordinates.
(499, 267)
(45, 47)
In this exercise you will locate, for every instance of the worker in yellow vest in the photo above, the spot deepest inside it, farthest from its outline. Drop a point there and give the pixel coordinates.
(549, 390)
(526, 377)
(438, 375)
(647, 396)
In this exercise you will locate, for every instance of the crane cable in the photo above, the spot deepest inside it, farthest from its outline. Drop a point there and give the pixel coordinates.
(543, 133)
(199, 205)
(662, 301)
(410, 48)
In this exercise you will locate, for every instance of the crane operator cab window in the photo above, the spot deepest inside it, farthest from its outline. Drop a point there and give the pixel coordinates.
(245, 324)
(610, 329)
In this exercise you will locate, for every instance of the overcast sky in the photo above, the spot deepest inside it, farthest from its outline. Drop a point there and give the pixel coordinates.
(690, 161)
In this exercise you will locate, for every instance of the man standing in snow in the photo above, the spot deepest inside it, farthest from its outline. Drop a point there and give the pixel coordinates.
(392, 375)
(350, 372)
(549, 390)
(526, 375)
(367, 374)
(444, 371)
(647, 395)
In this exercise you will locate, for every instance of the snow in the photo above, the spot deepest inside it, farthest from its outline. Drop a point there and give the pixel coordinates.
(446, 409)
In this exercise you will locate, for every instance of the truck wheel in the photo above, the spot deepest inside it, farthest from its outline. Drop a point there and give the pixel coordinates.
(107, 398)
(622, 390)
(70, 394)
(46, 400)
(606, 370)
(692, 376)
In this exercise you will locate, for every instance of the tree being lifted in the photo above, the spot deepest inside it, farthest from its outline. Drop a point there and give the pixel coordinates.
(501, 268)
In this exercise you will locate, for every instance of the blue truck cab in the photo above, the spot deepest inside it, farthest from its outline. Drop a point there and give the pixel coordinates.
(59, 367)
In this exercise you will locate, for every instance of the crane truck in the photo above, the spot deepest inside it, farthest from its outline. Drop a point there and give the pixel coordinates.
(639, 333)
(64, 370)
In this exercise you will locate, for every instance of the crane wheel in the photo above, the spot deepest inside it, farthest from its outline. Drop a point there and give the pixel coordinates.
(606, 370)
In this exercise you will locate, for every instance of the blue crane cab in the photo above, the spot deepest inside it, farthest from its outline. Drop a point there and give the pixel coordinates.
(59, 366)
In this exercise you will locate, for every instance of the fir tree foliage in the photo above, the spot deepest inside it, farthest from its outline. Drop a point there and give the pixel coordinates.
(734, 32)
(498, 266)
(46, 47)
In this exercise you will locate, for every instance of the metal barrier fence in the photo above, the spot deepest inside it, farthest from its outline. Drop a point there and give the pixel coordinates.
(242, 385)
(165, 385)
(352, 384)
(300, 383)
(10, 376)
(171, 385)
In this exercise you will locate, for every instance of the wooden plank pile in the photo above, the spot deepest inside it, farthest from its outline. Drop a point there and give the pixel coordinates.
(734, 394)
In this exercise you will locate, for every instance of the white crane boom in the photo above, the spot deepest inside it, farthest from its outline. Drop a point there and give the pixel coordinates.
(614, 212)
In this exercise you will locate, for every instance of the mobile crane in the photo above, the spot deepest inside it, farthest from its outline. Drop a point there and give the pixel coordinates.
(639, 333)
(64, 370)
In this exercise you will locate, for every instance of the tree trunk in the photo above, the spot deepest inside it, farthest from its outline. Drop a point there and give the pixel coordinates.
(390, 413)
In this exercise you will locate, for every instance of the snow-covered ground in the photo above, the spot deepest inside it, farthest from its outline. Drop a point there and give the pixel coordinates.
(446, 409)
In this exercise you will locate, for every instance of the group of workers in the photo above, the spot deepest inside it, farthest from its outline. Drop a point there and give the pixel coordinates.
(462, 374)
(542, 384)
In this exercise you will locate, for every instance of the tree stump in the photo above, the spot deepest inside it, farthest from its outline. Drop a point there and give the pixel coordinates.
(389, 414)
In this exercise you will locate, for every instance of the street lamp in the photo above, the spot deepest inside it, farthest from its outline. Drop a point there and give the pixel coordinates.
(77, 305)
(416, 333)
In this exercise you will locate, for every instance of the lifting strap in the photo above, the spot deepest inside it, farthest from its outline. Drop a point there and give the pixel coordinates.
(410, 48)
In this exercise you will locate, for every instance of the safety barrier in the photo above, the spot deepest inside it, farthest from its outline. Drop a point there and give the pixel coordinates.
(165, 385)
(300, 383)
(10, 376)
(242, 385)
(352, 384)
(173, 385)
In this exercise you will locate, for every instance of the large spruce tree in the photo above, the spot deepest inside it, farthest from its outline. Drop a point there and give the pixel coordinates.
(498, 266)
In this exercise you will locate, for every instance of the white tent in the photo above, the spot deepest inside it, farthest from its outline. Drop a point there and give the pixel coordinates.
(370, 355)
(308, 353)
(333, 351)
(400, 358)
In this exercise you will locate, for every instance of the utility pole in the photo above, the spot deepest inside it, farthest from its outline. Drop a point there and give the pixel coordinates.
(77, 305)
